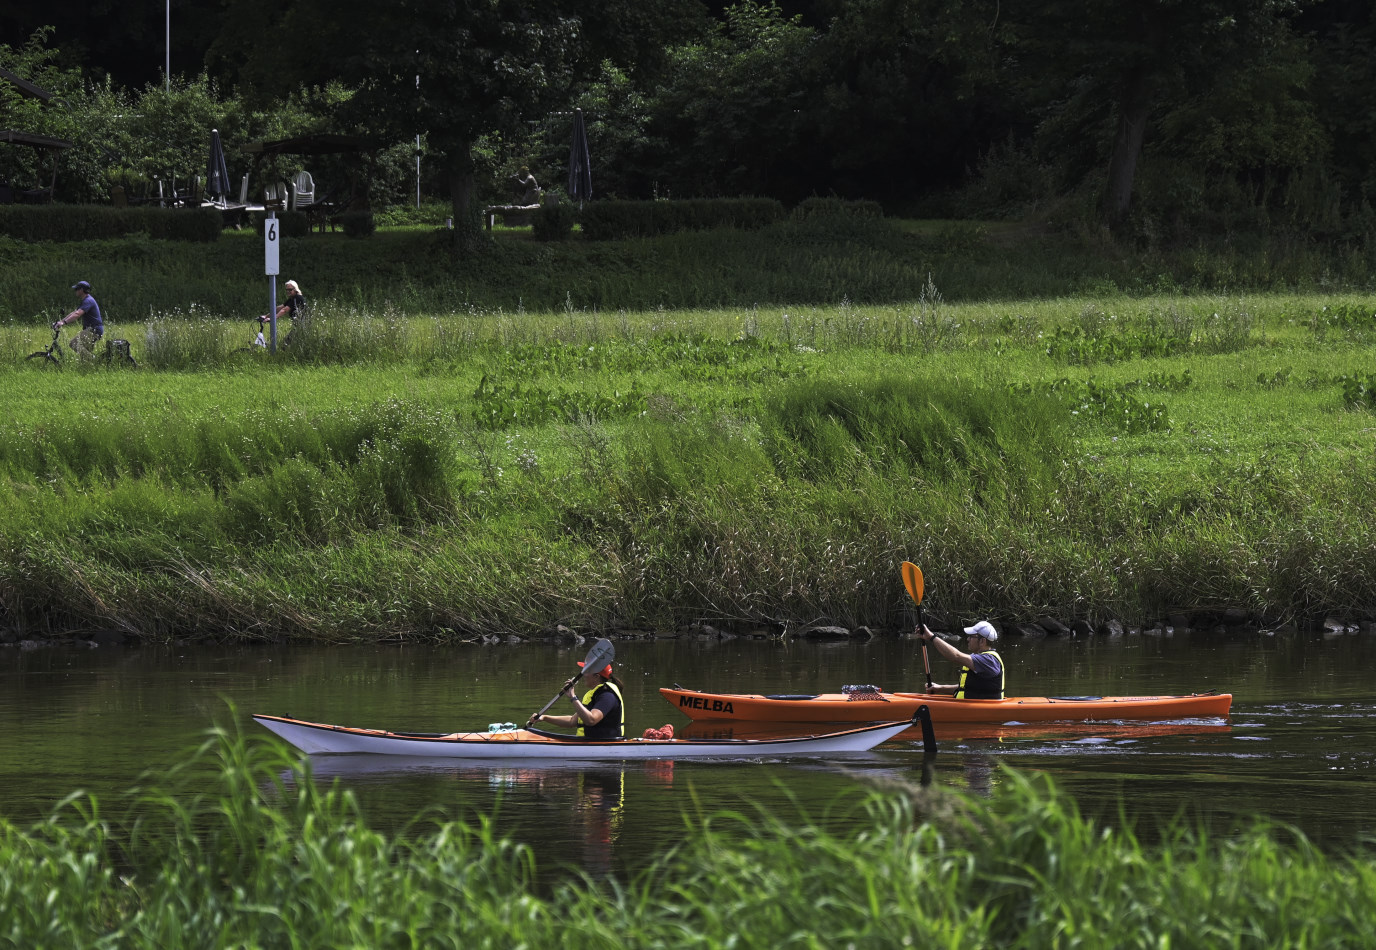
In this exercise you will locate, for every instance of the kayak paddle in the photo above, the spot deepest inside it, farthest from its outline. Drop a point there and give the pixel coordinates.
(912, 579)
(600, 655)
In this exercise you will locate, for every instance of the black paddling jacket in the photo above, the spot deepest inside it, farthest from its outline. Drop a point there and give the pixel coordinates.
(976, 686)
(613, 724)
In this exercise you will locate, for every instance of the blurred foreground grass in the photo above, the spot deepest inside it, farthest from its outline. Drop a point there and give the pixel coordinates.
(239, 846)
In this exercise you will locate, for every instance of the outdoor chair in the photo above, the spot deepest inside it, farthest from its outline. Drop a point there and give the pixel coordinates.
(305, 190)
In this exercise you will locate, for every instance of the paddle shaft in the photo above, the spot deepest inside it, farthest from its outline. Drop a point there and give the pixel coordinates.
(926, 660)
(566, 687)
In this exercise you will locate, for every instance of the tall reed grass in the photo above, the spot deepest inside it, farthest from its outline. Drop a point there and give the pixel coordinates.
(451, 476)
(239, 846)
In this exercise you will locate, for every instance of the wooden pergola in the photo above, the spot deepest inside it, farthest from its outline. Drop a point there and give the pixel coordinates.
(41, 142)
(321, 143)
(32, 139)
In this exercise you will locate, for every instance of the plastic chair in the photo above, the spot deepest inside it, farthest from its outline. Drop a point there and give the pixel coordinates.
(305, 189)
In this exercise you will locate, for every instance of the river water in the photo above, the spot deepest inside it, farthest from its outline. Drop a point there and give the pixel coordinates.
(1300, 746)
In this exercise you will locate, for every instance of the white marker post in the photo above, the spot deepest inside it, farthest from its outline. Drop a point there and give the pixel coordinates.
(272, 242)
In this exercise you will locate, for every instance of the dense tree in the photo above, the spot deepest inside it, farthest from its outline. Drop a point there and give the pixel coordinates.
(1344, 32)
(1165, 106)
(1130, 60)
(910, 92)
(733, 111)
(454, 70)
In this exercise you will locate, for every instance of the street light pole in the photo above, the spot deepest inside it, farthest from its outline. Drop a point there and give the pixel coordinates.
(417, 144)
(167, 39)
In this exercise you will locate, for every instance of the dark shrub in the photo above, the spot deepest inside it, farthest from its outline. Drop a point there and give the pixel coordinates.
(554, 222)
(608, 220)
(358, 224)
(93, 222)
(292, 223)
(838, 206)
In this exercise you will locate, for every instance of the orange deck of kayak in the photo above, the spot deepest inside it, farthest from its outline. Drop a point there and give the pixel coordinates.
(838, 707)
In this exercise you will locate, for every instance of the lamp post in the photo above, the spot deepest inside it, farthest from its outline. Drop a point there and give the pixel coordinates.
(167, 45)
(417, 141)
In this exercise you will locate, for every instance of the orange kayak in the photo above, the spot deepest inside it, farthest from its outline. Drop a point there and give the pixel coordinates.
(876, 707)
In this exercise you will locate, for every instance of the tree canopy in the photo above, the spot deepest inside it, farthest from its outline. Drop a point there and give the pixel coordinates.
(1141, 113)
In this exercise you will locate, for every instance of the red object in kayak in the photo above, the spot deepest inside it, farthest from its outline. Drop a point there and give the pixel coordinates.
(840, 707)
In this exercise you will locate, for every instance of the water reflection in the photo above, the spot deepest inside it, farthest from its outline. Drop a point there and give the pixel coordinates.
(956, 731)
(591, 799)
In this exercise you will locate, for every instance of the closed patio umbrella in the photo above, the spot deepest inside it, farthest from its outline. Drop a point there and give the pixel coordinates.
(217, 173)
(580, 166)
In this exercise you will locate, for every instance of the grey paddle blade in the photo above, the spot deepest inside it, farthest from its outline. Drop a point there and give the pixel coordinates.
(600, 655)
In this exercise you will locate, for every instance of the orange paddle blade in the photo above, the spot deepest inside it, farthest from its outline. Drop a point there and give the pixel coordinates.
(912, 579)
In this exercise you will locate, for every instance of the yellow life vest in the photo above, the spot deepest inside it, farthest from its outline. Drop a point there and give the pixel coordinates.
(605, 730)
(974, 686)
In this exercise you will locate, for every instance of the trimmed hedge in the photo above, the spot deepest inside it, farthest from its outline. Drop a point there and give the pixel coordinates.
(293, 223)
(838, 206)
(554, 222)
(91, 222)
(609, 220)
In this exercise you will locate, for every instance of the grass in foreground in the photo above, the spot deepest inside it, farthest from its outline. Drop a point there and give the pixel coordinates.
(228, 852)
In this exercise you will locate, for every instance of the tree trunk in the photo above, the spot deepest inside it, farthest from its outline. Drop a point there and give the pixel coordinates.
(1133, 110)
(459, 159)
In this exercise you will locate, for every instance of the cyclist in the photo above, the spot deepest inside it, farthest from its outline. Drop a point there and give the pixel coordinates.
(92, 327)
(294, 306)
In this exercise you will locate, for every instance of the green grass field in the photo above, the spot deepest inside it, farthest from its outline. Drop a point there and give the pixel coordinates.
(457, 474)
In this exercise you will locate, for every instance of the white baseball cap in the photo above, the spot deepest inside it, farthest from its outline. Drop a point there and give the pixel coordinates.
(983, 629)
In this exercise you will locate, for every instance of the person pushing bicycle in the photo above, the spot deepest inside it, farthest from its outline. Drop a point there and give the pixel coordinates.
(92, 327)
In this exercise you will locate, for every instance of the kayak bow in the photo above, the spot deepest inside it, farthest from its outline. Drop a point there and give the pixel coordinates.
(321, 739)
(840, 707)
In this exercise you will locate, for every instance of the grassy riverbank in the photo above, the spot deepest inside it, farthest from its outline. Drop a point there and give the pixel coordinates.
(226, 851)
(493, 472)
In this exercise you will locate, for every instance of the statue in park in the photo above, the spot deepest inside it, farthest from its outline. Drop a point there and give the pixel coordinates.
(527, 188)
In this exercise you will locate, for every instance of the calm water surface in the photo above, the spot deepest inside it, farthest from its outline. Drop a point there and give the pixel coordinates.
(1300, 746)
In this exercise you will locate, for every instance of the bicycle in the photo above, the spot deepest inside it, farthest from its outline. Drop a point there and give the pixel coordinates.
(260, 342)
(116, 353)
(50, 353)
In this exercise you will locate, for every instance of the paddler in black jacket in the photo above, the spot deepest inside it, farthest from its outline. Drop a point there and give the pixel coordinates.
(981, 669)
(598, 713)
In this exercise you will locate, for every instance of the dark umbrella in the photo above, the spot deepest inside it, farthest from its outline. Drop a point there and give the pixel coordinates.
(580, 166)
(217, 173)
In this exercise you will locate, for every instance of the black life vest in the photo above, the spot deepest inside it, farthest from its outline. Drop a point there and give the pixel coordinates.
(975, 686)
(613, 724)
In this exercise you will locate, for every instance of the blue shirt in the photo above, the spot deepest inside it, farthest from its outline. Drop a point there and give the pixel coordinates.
(90, 314)
(986, 664)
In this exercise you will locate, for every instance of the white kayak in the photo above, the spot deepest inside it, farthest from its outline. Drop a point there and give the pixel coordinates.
(316, 738)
